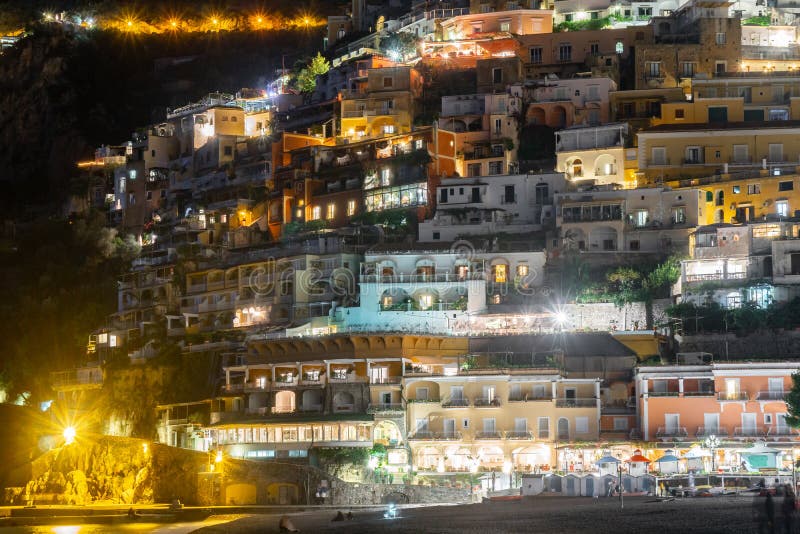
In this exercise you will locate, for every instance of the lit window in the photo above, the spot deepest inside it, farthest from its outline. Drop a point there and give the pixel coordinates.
(102, 338)
(522, 270)
(316, 213)
(331, 211)
(351, 208)
(782, 208)
(500, 273)
(112, 340)
(425, 301)
(388, 129)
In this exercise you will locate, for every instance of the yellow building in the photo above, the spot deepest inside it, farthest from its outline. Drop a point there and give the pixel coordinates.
(383, 105)
(471, 417)
(684, 151)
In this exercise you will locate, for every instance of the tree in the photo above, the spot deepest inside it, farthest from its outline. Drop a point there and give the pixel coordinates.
(307, 77)
(399, 45)
(793, 402)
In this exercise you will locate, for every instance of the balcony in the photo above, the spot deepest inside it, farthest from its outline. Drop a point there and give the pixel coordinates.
(576, 403)
(530, 398)
(544, 434)
(782, 432)
(703, 432)
(672, 432)
(385, 408)
(715, 276)
(455, 403)
(749, 432)
(663, 393)
(428, 435)
(349, 379)
(738, 396)
(448, 435)
(487, 402)
(386, 380)
(403, 278)
(488, 435)
(285, 383)
(771, 395)
(698, 394)
(519, 434)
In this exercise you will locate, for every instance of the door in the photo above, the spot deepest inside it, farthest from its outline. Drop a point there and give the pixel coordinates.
(776, 388)
(422, 394)
(283, 494)
(449, 427)
(489, 427)
(516, 392)
(570, 395)
(538, 391)
(386, 397)
(457, 393)
(711, 423)
(563, 428)
(748, 424)
(379, 375)
(520, 426)
(544, 427)
(732, 388)
(672, 423)
(476, 194)
(488, 394)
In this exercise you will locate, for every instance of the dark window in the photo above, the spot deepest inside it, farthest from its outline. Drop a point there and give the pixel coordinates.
(228, 150)
(388, 82)
(634, 244)
(785, 186)
(508, 196)
(153, 153)
(476, 194)
(436, 235)
(497, 75)
(608, 244)
(443, 196)
(679, 113)
(795, 263)
(718, 114)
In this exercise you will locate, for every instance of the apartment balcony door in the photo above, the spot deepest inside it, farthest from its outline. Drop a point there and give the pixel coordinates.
(780, 424)
(776, 388)
(563, 428)
(516, 392)
(748, 424)
(422, 425)
(489, 393)
(422, 394)
(732, 388)
(672, 422)
(457, 393)
(379, 374)
(489, 426)
(520, 424)
(711, 423)
(449, 427)
(538, 391)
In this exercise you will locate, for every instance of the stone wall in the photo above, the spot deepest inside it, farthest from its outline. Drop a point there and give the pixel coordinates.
(765, 345)
(607, 316)
(343, 493)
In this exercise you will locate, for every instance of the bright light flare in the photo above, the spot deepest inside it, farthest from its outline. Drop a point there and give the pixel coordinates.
(69, 435)
(218, 457)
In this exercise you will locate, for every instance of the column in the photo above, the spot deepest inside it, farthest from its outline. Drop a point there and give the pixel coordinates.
(680, 387)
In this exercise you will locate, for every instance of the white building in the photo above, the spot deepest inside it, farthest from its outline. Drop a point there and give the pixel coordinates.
(592, 155)
(487, 206)
(435, 290)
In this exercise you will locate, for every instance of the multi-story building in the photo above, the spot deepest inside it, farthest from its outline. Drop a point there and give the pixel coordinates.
(700, 38)
(496, 412)
(731, 265)
(674, 151)
(563, 103)
(436, 290)
(519, 21)
(476, 135)
(651, 220)
(381, 104)
(734, 401)
(568, 53)
(505, 204)
(595, 155)
(268, 286)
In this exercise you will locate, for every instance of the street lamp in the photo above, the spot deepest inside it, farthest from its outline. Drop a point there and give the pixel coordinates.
(712, 443)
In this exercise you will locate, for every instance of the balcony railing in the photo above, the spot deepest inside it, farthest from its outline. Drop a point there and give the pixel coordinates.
(519, 434)
(384, 408)
(704, 431)
(455, 403)
(544, 434)
(420, 278)
(782, 431)
(771, 395)
(672, 432)
(663, 393)
(487, 402)
(749, 431)
(349, 379)
(422, 434)
(698, 394)
(386, 380)
(488, 435)
(529, 398)
(728, 396)
(448, 435)
(576, 403)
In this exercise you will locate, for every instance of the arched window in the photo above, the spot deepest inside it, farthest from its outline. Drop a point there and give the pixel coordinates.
(720, 198)
(577, 168)
(284, 402)
(344, 402)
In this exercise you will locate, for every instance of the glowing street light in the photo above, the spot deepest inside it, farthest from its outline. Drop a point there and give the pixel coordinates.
(712, 443)
(218, 457)
(69, 435)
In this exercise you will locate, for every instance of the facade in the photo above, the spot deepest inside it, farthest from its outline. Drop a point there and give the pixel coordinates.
(735, 402)
(700, 38)
(466, 419)
(635, 220)
(672, 151)
(564, 103)
(383, 104)
(504, 204)
(476, 135)
(435, 290)
(593, 155)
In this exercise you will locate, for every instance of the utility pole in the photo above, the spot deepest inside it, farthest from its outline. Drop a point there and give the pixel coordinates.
(621, 501)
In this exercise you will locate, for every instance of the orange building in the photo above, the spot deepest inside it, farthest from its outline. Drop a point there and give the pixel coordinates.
(734, 401)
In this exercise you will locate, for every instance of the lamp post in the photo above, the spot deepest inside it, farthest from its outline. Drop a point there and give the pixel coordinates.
(619, 471)
(712, 443)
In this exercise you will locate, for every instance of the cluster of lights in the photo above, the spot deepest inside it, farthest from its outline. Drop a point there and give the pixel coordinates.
(131, 22)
